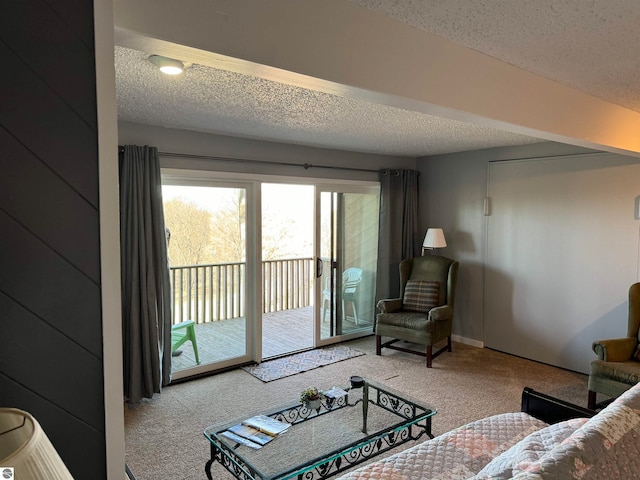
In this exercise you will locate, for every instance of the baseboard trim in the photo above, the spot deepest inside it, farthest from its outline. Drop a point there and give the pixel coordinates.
(467, 341)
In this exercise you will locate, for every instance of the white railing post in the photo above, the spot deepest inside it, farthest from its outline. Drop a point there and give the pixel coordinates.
(212, 292)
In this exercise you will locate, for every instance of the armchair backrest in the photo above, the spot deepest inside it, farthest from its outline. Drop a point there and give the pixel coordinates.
(351, 279)
(352, 275)
(633, 329)
(432, 267)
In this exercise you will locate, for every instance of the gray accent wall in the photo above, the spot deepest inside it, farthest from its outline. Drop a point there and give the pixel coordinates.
(51, 359)
(562, 251)
(453, 189)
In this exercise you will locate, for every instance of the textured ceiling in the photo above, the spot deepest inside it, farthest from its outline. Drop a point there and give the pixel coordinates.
(589, 45)
(218, 101)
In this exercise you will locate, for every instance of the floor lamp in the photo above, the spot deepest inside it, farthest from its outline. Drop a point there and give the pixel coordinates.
(433, 239)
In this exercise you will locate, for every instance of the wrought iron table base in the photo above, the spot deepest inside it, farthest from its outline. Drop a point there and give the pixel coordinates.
(345, 457)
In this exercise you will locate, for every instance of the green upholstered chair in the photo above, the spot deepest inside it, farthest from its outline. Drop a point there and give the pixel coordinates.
(618, 365)
(182, 332)
(424, 312)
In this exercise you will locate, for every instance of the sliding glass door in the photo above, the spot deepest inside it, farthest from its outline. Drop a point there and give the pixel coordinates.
(347, 258)
(207, 233)
(344, 265)
(287, 268)
(261, 270)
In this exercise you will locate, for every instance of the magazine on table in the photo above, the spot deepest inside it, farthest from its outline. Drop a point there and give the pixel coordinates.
(251, 433)
(256, 431)
(267, 425)
(241, 440)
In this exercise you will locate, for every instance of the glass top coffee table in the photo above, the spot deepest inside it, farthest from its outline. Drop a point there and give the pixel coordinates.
(342, 432)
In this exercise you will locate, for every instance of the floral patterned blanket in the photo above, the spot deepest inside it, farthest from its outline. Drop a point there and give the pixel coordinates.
(518, 446)
(606, 446)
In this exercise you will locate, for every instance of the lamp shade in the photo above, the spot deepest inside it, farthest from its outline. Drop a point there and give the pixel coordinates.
(434, 238)
(26, 449)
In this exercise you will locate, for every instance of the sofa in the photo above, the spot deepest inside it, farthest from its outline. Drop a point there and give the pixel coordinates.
(548, 439)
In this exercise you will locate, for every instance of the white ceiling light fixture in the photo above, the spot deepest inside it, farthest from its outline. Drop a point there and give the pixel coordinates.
(167, 65)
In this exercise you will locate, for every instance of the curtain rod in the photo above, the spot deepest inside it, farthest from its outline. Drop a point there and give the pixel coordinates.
(545, 157)
(306, 166)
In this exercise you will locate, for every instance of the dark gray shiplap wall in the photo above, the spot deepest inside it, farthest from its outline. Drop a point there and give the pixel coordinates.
(50, 305)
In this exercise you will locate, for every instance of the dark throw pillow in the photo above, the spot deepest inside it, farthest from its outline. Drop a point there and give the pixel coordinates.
(421, 295)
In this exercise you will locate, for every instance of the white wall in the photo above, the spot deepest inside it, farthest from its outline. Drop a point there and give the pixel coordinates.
(109, 240)
(452, 192)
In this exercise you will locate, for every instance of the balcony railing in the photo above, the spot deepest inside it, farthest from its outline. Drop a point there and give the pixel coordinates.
(213, 292)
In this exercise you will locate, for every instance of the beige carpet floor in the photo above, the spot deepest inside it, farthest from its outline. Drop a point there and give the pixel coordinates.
(164, 438)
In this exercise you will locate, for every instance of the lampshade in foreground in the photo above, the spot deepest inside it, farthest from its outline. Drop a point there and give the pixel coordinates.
(25, 448)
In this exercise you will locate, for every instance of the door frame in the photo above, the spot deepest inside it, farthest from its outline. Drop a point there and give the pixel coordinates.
(253, 297)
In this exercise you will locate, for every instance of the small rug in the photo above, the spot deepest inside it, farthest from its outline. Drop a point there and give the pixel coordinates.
(301, 362)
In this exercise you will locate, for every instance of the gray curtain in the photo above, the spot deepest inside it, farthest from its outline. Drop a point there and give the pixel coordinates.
(398, 236)
(146, 289)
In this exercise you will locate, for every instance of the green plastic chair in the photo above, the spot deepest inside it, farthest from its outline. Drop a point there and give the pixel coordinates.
(180, 333)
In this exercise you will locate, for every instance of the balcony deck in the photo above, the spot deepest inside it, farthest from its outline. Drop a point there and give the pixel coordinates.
(212, 295)
(283, 332)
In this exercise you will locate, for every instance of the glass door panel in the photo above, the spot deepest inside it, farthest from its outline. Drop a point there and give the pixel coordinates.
(207, 232)
(287, 268)
(348, 251)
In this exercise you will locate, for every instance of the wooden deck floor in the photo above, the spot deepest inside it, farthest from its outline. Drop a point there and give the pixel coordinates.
(282, 332)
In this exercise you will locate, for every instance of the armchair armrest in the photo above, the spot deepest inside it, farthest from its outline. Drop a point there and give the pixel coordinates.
(615, 349)
(444, 312)
(181, 325)
(390, 305)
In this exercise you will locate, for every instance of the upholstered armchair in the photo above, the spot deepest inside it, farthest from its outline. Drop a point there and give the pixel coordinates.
(618, 365)
(424, 312)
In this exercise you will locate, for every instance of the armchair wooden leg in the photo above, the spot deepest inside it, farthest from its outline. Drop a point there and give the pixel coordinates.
(429, 355)
(449, 343)
(378, 344)
(591, 402)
